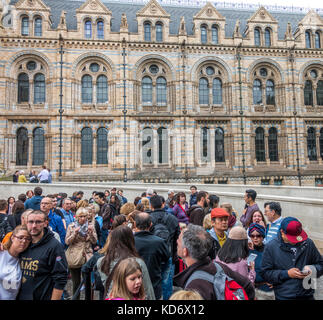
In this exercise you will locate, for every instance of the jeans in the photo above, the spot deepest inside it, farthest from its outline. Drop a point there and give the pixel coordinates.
(167, 282)
(76, 280)
(104, 236)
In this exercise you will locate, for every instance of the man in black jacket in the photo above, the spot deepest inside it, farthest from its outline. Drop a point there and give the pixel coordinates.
(43, 265)
(5, 226)
(152, 249)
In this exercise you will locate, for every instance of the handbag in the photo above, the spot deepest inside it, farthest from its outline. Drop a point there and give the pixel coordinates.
(75, 257)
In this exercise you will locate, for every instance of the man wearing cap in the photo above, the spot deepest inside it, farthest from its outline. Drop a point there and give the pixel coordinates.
(219, 220)
(289, 259)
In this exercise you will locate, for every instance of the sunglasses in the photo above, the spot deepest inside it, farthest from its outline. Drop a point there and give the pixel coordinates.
(255, 236)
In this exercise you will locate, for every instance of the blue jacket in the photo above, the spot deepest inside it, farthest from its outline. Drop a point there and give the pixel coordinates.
(56, 222)
(193, 199)
(68, 216)
(33, 203)
(278, 258)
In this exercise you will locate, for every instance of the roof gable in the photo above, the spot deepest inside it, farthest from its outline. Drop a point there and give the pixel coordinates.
(31, 5)
(93, 6)
(153, 9)
(262, 16)
(208, 12)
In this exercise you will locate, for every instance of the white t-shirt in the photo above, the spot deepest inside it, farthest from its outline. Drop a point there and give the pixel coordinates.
(10, 276)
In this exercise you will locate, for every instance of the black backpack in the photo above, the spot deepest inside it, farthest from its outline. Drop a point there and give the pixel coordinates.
(160, 230)
(3, 227)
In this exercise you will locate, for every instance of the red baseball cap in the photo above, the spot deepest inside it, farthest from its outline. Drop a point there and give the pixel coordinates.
(219, 213)
(293, 230)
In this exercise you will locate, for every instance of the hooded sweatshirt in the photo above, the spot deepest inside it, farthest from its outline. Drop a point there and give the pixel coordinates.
(44, 268)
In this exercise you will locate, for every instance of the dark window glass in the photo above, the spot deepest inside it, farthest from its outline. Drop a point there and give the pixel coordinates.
(263, 72)
(31, 65)
(308, 39)
(267, 37)
(203, 91)
(161, 87)
(153, 69)
(270, 92)
(88, 29)
(100, 29)
(215, 36)
(317, 40)
(159, 32)
(217, 91)
(38, 27)
(22, 147)
(87, 146)
(87, 89)
(308, 93)
(313, 74)
(319, 93)
(257, 92)
(260, 144)
(102, 146)
(147, 146)
(321, 143)
(23, 88)
(219, 145)
(147, 90)
(162, 145)
(210, 71)
(257, 37)
(311, 144)
(25, 26)
(205, 142)
(94, 67)
(101, 89)
(39, 88)
(147, 31)
(38, 147)
(203, 34)
(273, 144)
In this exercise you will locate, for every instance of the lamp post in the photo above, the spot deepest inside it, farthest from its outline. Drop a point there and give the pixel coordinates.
(124, 110)
(61, 110)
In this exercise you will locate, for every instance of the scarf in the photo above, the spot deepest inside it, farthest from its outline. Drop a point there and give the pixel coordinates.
(83, 228)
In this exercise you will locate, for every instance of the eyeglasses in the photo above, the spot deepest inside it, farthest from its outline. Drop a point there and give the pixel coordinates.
(256, 236)
(35, 222)
(23, 238)
(46, 203)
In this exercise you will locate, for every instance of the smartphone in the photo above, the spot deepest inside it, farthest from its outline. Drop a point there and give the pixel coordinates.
(305, 272)
(252, 257)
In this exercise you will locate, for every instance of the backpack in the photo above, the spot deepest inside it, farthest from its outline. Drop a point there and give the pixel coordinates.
(160, 230)
(225, 288)
(3, 227)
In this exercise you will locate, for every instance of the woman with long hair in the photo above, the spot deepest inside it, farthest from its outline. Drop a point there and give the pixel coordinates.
(11, 202)
(121, 246)
(235, 251)
(232, 219)
(115, 205)
(181, 208)
(127, 281)
(17, 210)
(257, 217)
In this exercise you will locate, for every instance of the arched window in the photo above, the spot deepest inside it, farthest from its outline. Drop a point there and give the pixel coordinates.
(267, 37)
(162, 145)
(25, 26)
(270, 92)
(308, 93)
(319, 93)
(147, 146)
(159, 32)
(204, 34)
(147, 31)
(308, 39)
(102, 89)
(321, 143)
(273, 144)
(87, 89)
(102, 146)
(257, 92)
(38, 147)
(257, 37)
(88, 29)
(311, 144)
(38, 30)
(22, 147)
(100, 29)
(260, 144)
(23, 88)
(203, 91)
(219, 145)
(147, 90)
(217, 91)
(205, 139)
(86, 146)
(39, 88)
(317, 40)
(215, 34)
(161, 87)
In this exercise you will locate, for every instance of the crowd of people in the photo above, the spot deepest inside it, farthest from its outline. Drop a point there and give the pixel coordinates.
(44, 176)
(152, 248)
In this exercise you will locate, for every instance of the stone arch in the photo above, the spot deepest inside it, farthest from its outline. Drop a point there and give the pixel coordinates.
(306, 65)
(267, 61)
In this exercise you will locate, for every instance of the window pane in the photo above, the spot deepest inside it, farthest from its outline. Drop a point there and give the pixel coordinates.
(88, 29)
(100, 30)
(319, 93)
(147, 146)
(22, 147)
(267, 38)
(161, 91)
(102, 146)
(23, 88)
(162, 145)
(273, 144)
(321, 143)
(270, 92)
(203, 34)
(215, 38)
(87, 89)
(39, 88)
(257, 37)
(219, 145)
(311, 144)
(102, 89)
(317, 40)
(205, 144)
(203, 91)
(38, 146)
(308, 39)
(147, 31)
(25, 26)
(38, 27)
(159, 32)
(308, 93)
(217, 91)
(147, 90)
(260, 144)
(87, 143)
(257, 92)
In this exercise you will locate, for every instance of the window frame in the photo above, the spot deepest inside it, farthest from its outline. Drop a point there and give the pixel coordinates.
(86, 146)
(38, 147)
(260, 149)
(38, 29)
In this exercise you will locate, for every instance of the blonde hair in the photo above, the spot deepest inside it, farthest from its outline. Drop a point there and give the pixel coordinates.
(8, 244)
(119, 289)
(82, 211)
(227, 207)
(186, 295)
(127, 208)
(82, 204)
(207, 223)
(145, 203)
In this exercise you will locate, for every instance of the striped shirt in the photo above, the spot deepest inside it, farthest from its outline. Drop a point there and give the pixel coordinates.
(272, 230)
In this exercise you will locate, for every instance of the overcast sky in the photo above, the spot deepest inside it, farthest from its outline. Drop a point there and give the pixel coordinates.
(295, 3)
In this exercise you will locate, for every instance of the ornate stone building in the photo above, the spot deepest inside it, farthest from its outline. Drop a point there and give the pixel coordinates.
(159, 91)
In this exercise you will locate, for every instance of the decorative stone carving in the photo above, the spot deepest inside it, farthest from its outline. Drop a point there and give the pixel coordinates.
(124, 22)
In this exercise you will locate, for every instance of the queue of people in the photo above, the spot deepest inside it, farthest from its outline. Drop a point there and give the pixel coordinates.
(152, 248)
